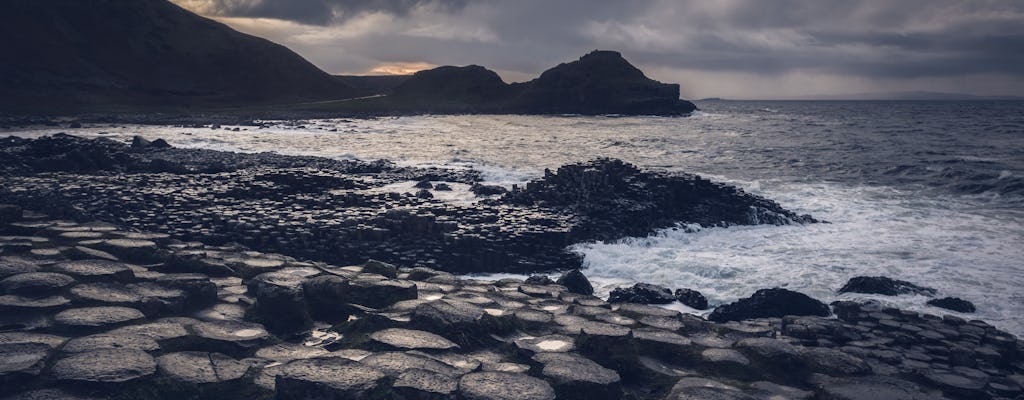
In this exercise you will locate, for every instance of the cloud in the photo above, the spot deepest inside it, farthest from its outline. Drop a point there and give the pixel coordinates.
(770, 46)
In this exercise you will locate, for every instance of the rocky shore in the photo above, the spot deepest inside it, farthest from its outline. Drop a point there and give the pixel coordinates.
(141, 271)
(91, 310)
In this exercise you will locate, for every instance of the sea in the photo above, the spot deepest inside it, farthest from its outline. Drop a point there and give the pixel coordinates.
(931, 192)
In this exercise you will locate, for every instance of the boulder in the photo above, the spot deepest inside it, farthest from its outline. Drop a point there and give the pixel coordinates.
(504, 386)
(691, 298)
(767, 303)
(953, 303)
(576, 282)
(642, 293)
(884, 286)
(487, 190)
(280, 301)
(329, 378)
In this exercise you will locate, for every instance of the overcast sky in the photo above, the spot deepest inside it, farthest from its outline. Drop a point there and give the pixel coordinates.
(712, 48)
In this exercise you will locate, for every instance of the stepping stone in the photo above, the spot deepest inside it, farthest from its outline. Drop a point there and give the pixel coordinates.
(166, 333)
(395, 363)
(48, 394)
(577, 377)
(16, 265)
(774, 391)
(958, 384)
(110, 341)
(111, 366)
(870, 388)
(36, 284)
(285, 352)
(504, 386)
(448, 315)
(251, 267)
(228, 336)
(28, 304)
(85, 253)
(773, 351)
(200, 368)
(199, 290)
(692, 388)
(379, 294)
(135, 250)
(109, 293)
(657, 341)
(833, 362)
(91, 318)
(727, 358)
(329, 378)
(22, 361)
(280, 302)
(545, 344)
(31, 337)
(422, 384)
(96, 270)
(407, 339)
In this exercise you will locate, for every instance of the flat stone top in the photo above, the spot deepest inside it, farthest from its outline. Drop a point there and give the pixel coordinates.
(97, 316)
(412, 339)
(105, 366)
(199, 367)
(572, 367)
(110, 341)
(427, 381)
(94, 269)
(17, 284)
(549, 343)
(22, 357)
(504, 386)
(231, 331)
(336, 373)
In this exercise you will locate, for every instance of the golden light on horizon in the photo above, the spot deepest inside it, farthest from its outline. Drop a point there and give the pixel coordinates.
(400, 68)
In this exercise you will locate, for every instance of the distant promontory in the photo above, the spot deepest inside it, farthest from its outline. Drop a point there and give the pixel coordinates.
(144, 56)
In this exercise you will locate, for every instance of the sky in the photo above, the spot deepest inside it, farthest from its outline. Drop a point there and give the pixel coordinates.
(756, 49)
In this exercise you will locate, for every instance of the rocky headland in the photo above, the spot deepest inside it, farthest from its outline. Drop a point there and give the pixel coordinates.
(141, 271)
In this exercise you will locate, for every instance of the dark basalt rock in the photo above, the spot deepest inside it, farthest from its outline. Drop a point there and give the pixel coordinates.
(15, 265)
(642, 293)
(111, 366)
(692, 298)
(93, 318)
(504, 386)
(883, 285)
(407, 339)
(280, 301)
(426, 385)
(770, 303)
(36, 284)
(229, 337)
(953, 303)
(96, 271)
(10, 213)
(111, 341)
(487, 190)
(199, 290)
(424, 184)
(329, 378)
(577, 377)
(199, 368)
(576, 282)
(22, 361)
(380, 268)
(539, 280)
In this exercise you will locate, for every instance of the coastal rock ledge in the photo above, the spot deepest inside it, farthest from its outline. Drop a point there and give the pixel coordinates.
(432, 336)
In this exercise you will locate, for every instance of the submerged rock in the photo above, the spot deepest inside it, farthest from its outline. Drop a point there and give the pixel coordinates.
(642, 293)
(883, 285)
(770, 303)
(953, 303)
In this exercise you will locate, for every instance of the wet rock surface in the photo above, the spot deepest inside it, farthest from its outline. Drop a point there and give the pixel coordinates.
(203, 312)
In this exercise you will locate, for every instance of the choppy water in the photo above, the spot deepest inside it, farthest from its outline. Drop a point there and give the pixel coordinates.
(930, 192)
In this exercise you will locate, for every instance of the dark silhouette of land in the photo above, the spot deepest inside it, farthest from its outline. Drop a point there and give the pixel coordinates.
(141, 56)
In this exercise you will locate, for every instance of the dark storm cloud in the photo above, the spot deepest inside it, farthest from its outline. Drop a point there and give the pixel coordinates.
(864, 40)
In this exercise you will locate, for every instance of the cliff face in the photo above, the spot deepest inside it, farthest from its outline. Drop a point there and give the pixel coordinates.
(72, 54)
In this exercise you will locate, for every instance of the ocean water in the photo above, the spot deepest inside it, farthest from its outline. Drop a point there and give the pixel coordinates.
(930, 192)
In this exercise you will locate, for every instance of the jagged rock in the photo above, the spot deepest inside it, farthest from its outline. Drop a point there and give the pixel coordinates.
(425, 385)
(96, 271)
(329, 378)
(691, 298)
(93, 318)
(953, 303)
(642, 293)
(407, 339)
(770, 303)
(22, 361)
(576, 282)
(487, 190)
(381, 268)
(200, 368)
(504, 386)
(36, 284)
(111, 341)
(577, 377)
(883, 285)
(109, 366)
